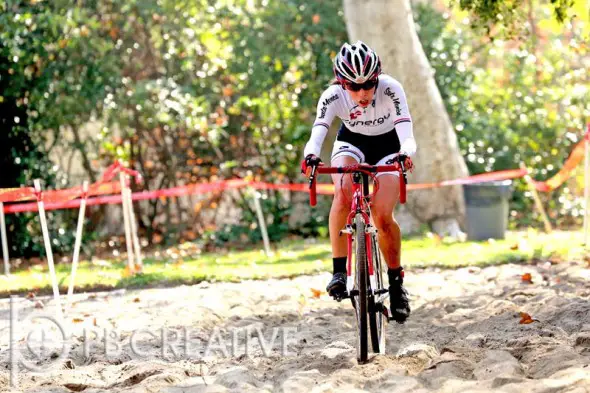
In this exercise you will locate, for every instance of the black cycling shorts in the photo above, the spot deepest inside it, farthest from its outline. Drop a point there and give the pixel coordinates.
(370, 149)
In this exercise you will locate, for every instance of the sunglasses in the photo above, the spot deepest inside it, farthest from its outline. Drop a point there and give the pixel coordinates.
(368, 85)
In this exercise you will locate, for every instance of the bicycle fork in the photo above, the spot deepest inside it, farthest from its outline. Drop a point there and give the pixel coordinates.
(370, 231)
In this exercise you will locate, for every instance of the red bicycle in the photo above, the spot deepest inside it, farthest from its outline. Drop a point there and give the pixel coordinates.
(366, 289)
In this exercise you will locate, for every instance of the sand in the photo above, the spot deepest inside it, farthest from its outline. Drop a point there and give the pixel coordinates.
(464, 335)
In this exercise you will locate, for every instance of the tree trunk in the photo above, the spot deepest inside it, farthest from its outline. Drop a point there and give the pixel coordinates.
(388, 27)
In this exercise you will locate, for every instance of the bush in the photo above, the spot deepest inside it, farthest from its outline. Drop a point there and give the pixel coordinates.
(512, 102)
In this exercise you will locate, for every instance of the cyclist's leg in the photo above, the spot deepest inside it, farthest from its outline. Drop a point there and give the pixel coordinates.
(390, 239)
(382, 210)
(340, 206)
(343, 154)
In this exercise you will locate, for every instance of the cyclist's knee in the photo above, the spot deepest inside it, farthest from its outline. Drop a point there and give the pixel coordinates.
(341, 199)
(343, 193)
(383, 220)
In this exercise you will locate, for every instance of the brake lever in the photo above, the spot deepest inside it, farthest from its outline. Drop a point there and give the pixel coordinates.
(401, 164)
(312, 176)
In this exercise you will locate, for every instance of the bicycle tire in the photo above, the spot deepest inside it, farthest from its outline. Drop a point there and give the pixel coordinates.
(376, 317)
(361, 284)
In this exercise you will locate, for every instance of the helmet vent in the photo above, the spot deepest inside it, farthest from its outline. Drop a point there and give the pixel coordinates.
(357, 63)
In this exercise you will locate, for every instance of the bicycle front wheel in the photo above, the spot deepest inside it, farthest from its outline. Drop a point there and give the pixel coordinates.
(376, 316)
(360, 300)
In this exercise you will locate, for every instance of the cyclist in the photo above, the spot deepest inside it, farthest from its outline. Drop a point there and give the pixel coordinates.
(376, 129)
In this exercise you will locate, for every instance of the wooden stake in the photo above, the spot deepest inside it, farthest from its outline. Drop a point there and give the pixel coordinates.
(4, 241)
(127, 224)
(134, 235)
(262, 223)
(48, 250)
(77, 245)
(537, 199)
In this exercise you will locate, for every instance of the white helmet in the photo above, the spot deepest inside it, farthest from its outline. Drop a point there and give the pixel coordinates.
(356, 63)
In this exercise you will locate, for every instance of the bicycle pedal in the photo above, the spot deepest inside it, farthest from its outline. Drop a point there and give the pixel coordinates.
(385, 312)
(338, 297)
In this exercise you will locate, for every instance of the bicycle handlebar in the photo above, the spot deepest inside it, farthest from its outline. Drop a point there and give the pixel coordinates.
(355, 168)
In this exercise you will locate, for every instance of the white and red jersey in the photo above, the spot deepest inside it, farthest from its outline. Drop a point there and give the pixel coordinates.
(388, 111)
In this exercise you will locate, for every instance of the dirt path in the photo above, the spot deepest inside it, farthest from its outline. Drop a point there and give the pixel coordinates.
(464, 336)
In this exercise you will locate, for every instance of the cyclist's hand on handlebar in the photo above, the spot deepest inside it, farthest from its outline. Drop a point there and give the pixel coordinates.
(408, 164)
(310, 161)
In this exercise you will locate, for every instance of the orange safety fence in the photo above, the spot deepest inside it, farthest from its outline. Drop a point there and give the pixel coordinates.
(105, 186)
(574, 159)
(67, 198)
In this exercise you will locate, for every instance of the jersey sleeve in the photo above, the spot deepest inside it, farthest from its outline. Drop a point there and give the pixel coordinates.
(327, 110)
(395, 96)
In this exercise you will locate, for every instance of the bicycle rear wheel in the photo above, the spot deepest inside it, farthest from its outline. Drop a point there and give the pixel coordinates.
(376, 316)
(360, 300)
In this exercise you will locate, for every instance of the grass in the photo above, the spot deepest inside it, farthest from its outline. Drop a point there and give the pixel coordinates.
(517, 247)
(291, 258)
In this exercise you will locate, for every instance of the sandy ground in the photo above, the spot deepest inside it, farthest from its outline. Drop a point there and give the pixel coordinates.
(464, 335)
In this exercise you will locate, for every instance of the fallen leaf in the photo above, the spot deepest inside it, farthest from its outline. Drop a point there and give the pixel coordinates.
(527, 278)
(514, 246)
(525, 319)
(77, 320)
(136, 300)
(86, 315)
(94, 322)
(316, 293)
